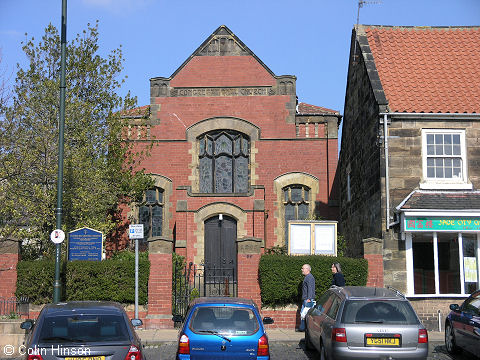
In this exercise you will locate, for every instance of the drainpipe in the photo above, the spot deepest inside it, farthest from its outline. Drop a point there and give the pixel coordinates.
(387, 188)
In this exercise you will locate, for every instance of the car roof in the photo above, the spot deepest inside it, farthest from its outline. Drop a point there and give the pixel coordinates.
(220, 300)
(357, 292)
(85, 307)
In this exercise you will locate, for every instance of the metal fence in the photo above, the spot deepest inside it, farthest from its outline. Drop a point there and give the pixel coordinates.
(194, 281)
(14, 307)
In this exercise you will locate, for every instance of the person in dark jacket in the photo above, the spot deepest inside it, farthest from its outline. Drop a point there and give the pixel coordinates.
(308, 292)
(338, 278)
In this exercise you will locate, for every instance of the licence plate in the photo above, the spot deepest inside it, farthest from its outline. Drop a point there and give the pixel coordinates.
(372, 341)
(86, 358)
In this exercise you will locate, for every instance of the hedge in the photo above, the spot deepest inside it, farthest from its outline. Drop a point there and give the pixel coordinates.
(111, 279)
(281, 276)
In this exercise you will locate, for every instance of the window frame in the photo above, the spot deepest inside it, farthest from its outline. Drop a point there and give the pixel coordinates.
(214, 135)
(444, 183)
(151, 205)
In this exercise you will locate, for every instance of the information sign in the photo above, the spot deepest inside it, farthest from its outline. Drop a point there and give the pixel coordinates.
(85, 244)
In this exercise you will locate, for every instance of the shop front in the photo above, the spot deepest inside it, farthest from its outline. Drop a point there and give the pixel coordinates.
(442, 252)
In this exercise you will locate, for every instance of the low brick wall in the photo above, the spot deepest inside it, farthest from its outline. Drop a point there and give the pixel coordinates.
(287, 317)
(428, 310)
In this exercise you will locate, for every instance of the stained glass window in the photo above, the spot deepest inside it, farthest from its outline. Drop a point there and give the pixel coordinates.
(151, 213)
(224, 162)
(296, 204)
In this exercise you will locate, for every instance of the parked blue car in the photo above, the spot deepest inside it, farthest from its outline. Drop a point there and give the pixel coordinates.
(462, 326)
(223, 328)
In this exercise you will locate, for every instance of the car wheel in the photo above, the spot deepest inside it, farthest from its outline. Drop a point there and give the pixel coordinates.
(450, 343)
(308, 342)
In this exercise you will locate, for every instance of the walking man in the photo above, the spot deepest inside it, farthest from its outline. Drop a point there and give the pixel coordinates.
(308, 293)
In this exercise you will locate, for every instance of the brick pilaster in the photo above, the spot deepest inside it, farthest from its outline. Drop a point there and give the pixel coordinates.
(9, 257)
(159, 315)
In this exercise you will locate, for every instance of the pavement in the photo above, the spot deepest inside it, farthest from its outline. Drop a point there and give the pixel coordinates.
(162, 336)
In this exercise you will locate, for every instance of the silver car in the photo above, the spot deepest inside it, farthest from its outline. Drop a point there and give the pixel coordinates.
(83, 330)
(356, 322)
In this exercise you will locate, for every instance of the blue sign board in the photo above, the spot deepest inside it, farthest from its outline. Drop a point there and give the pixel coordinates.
(85, 244)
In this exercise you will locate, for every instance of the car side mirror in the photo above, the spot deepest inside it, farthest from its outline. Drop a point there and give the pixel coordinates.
(27, 325)
(268, 320)
(177, 318)
(136, 322)
(454, 307)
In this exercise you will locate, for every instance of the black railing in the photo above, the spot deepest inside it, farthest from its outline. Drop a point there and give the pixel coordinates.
(14, 306)
(194, 281)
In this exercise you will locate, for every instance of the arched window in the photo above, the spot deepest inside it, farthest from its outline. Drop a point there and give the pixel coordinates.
(151, 213)
(296, 204)
(224, 161)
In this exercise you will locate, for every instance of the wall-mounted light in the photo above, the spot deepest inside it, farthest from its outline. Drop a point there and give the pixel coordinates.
(220, 217)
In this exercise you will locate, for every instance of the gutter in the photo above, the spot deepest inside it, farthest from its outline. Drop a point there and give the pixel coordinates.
(432, 116)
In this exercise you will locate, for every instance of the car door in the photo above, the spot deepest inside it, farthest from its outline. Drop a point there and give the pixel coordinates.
(317, 316)
(330, 322)
(471, 324)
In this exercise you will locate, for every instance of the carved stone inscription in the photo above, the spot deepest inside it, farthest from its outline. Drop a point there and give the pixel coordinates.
(197, 92)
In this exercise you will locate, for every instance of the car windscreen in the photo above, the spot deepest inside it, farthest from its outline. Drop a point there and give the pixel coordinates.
(83, 328)
(395, 312)
(224, 320)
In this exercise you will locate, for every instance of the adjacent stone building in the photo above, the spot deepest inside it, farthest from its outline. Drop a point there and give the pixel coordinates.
(234, 157)
(412, 195)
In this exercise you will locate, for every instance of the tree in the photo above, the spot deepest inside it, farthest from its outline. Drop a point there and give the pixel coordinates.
(99, 167)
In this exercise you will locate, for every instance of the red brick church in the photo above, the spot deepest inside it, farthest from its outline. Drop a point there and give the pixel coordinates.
(234, 157)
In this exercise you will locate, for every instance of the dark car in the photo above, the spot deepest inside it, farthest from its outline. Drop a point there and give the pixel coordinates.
(94, 330)
(223, 328)
(462, 326)
(356, 322)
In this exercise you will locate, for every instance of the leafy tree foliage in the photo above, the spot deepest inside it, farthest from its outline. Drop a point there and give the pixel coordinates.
(100, 173)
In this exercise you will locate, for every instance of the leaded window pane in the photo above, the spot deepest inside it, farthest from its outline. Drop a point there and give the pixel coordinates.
(144, 215)
(223, 145)
(209, 146)
(237, 143)
(302, 211)
(223, 174)
(245, 146)
(151, 196)
(206, 176)
(157, 218)
(201, 149)
(296, 194)
(241, 175)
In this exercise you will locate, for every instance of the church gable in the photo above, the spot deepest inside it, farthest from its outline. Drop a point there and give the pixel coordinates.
(222, 61)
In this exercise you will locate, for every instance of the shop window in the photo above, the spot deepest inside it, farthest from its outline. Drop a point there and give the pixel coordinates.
(151, 213)
(444, 157)
(445, 263)
(224, 162)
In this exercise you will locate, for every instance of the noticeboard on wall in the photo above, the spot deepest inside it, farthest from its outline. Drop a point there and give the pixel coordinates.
(312, 237)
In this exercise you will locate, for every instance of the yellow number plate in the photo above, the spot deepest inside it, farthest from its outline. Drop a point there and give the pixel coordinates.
(383, 341)
(86, 358)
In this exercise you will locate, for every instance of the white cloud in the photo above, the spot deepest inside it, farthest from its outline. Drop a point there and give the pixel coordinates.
(11, 33)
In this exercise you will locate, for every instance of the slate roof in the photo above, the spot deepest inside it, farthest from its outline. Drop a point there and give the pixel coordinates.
(441, 200)
(425, 69)
(307, 109)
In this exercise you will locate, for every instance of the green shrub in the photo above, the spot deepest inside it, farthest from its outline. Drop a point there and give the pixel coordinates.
(35, 280)
(281, 277)
(112, 279)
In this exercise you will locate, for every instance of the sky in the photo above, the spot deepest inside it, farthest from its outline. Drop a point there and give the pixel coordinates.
(306, 38)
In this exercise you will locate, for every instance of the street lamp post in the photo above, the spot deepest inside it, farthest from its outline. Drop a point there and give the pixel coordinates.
(58, 247)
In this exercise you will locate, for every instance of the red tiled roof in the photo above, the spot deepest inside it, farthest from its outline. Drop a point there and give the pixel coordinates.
(141, 111)
(307, 109)
(428, 69)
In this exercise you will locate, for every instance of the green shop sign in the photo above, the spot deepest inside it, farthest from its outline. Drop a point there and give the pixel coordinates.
(441, 224)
